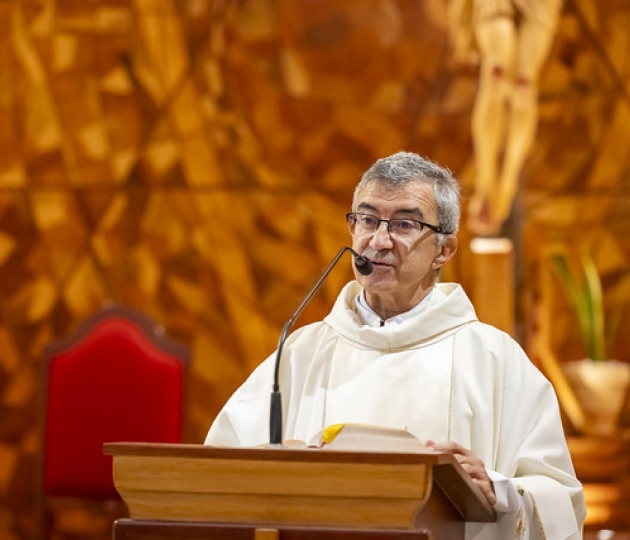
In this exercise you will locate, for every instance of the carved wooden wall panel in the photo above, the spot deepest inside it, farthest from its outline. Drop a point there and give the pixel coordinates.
(194, 159)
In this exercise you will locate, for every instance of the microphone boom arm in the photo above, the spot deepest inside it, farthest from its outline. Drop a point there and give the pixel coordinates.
(364, 266)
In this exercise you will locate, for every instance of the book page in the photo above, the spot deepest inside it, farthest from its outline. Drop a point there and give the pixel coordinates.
(367, 438)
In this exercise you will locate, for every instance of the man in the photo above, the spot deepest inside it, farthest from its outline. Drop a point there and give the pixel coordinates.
(401, 350)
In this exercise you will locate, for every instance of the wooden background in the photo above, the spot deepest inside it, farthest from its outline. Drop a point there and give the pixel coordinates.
(195, 158)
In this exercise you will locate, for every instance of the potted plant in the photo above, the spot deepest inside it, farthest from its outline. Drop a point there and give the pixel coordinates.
(600, 382)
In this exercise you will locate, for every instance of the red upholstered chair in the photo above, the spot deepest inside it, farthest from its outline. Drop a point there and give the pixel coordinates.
(118, 378)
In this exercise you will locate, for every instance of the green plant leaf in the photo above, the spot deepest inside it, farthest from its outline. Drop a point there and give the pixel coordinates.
(594, 299)
(575, 295)
(582, 284)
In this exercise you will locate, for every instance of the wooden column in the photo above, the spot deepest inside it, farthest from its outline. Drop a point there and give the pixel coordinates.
(493, 289)
(266, 534)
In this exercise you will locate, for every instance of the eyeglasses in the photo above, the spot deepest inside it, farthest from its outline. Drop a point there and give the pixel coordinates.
(402, 227)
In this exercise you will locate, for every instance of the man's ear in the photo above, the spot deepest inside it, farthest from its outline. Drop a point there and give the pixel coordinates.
(447, 250)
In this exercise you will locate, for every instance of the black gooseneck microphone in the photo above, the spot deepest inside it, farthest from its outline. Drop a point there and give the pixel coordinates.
(364, 267)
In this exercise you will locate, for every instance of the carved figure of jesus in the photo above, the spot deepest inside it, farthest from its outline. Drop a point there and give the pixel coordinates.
(513, 39)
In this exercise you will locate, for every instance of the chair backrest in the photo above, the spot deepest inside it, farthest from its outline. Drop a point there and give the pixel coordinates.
(118, 378)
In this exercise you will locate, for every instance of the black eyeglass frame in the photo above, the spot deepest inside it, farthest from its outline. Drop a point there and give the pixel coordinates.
(434, 228)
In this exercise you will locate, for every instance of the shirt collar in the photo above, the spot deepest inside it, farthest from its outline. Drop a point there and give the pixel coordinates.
(370, 318)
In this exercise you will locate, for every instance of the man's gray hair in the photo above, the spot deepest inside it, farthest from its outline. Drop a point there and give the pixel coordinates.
(403, 167)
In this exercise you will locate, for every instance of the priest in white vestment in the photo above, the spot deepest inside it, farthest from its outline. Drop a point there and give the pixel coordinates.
(401, 350)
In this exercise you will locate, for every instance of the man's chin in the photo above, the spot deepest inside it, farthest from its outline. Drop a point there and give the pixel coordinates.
(376, 284)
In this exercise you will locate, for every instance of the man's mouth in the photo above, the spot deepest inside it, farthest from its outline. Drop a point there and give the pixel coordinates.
(381, 264)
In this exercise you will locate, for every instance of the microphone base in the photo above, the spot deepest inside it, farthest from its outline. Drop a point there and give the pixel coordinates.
(275, 421)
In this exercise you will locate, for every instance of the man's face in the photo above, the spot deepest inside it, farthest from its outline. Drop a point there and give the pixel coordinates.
(404, 266)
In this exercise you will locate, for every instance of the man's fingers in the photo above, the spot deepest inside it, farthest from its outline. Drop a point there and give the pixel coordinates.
(473, 466)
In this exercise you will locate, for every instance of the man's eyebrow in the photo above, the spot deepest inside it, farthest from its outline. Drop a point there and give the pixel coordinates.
(415, 212)
(366, 206)
(410, 211)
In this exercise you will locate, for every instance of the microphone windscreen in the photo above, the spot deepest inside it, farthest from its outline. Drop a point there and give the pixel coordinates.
(363, 265)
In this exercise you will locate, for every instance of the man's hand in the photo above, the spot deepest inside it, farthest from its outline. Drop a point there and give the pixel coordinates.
(471, 464)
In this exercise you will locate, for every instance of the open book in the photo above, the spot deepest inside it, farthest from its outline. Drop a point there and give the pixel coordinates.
(367, 438)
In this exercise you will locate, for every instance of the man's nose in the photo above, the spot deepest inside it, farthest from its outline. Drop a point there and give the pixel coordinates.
(381, 236)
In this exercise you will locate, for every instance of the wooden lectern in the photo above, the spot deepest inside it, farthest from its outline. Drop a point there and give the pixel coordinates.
(202, 492)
